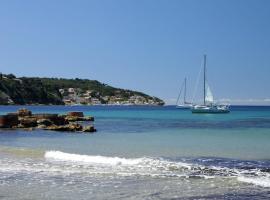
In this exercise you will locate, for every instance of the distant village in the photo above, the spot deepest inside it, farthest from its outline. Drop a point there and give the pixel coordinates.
(75, 96)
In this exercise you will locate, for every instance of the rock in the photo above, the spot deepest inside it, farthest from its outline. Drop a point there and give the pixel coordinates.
(75, 114)
(75, 118)
(54, 118)
(45, 122)
(24, 112)
(72, 118)
(88, 118)
(75, 127)
(56, 128)
(59, 120)
(41, 126)
(28, 122)
(8, 121)
(90, 129)
(20, 126)
(45, 116)
(69, 127)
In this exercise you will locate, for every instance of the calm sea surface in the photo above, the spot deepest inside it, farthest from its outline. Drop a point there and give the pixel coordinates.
(140, 153)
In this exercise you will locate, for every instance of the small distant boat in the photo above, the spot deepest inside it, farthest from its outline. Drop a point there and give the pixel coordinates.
(184, 104)
(208, 101)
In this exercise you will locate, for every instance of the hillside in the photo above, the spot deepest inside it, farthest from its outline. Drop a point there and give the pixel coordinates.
(60, 91)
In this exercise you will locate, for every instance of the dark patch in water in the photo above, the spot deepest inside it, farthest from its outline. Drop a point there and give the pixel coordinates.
(248, 195)
(231, 163)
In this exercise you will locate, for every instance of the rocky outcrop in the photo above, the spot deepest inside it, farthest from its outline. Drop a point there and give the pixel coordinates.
(24, 112)
(75, 119)
(77, 116)
(45, 122)
(24, 118)
(89, 129)
(9, 121)
(73, 127)
(27, 122)
(54, 118)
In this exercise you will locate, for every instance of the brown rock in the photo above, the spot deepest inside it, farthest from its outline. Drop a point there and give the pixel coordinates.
(75, 114)
(24, 112)
(41, 126)
(59, 120)
(45, 122)
(28, 122)
(56, 128)
(72, 118)
(54, 118)
(88, 118)
(69, 127)
(8, 121)
(90, 129)
(75, 127)
(75, 118)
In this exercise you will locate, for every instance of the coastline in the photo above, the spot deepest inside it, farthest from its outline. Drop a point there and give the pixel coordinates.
(158, 150)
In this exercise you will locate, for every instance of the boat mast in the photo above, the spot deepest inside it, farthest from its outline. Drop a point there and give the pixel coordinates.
(204, 77)
(185, 90)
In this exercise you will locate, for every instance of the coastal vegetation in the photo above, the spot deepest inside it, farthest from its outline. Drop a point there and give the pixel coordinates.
(60, 91)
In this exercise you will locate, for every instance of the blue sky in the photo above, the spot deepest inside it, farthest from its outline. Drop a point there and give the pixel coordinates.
(148, 45)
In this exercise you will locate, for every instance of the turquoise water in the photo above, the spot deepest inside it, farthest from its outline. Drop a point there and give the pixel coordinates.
(163, 152)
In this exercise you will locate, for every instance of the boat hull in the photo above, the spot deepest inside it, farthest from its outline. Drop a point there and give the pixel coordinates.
(183, 106)
(210, 109)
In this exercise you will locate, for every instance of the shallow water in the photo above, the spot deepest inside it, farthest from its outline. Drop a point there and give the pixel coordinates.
(141, 153)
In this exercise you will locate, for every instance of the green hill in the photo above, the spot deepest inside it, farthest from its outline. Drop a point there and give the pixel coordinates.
(59, 91)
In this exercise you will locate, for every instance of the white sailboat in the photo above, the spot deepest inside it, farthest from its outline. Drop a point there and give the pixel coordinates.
(184, 104)
(208, 102)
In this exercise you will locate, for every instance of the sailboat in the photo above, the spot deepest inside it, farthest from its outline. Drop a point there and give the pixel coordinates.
(184, 104)
(208, 101)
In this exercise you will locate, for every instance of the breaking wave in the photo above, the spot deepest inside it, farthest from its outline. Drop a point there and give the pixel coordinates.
(61, 156)
(61, 163)
(165, 168)
(260, 181)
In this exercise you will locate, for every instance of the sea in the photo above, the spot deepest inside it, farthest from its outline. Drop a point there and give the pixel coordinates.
(140, 152)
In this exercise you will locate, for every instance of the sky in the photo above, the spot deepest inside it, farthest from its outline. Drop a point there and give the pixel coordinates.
(144, 45)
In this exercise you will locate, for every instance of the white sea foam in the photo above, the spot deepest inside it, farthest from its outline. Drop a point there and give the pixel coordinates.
(115, 166)
(116, 161)
(260, 181)
(61, 156)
